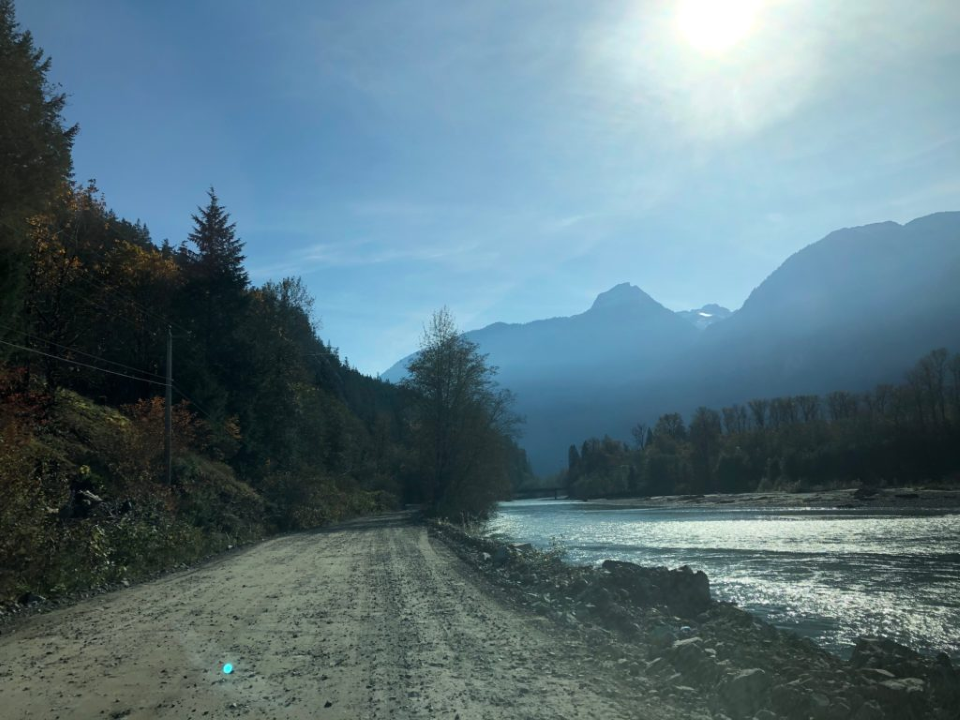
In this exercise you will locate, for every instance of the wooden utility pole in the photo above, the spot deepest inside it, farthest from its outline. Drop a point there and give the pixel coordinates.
(168, 410)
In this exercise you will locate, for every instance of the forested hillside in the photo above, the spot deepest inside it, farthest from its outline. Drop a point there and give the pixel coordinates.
(272, 431)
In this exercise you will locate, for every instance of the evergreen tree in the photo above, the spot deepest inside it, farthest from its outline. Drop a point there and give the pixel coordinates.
(35, 145)
(218, 257)
(215, 300)
(704, 434)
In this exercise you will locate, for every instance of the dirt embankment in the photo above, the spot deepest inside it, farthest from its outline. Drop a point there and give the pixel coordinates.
(372, 619)
(712, 658)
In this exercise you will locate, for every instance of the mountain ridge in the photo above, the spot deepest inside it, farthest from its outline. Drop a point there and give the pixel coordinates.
(623, 297)
(857, 307)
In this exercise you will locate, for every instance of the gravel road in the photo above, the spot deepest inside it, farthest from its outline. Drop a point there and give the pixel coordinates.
(372, 619)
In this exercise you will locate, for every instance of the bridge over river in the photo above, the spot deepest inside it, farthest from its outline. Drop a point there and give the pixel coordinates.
(547, 492)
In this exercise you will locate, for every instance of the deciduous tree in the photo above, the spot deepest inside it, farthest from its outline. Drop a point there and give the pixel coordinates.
(464, 422)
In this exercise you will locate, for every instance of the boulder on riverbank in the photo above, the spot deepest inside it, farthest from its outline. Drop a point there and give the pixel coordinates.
(903, 676)
(685, 592)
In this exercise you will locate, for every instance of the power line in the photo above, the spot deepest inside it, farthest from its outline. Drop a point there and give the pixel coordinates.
(94, 283)
(192, 401)
(81, 352)
(77, 362)
(104, 308)
(94, 367)
(150, 313)
(188, 336)
(132, 323)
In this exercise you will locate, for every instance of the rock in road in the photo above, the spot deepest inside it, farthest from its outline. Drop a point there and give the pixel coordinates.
(371, 619)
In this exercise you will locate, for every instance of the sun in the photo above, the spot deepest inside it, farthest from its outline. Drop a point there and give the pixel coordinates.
(715, 26)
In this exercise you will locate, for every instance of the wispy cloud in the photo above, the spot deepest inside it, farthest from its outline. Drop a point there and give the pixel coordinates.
(358, 253)
(943, 195)
(406, 210)
(567, 222)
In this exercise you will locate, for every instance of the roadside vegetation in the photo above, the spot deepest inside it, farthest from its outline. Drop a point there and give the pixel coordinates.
(272, 430)
(896, 435)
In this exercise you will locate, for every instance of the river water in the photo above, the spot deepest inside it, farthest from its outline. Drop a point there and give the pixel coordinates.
(830, 574)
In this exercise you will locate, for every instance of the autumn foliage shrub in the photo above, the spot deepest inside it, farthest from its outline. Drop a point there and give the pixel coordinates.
(25, 542)
(83, 500)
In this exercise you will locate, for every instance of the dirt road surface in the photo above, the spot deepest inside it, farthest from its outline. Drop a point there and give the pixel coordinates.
(370, 620)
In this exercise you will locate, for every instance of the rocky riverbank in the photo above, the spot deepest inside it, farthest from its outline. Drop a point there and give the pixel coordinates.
(904, 498)
(710, 656)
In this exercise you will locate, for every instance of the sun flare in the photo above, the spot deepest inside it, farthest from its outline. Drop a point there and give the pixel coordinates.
(715, 26)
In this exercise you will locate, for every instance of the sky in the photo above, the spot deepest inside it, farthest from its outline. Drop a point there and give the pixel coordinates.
(510, 159)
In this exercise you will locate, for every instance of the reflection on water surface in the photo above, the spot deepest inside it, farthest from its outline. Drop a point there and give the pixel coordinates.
(830, 574)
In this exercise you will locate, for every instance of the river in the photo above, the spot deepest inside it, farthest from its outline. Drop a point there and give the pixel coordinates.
(830, 574)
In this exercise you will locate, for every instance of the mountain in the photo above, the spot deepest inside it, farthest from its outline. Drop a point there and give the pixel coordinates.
(705, 316)
(624, 330)
(854, 309)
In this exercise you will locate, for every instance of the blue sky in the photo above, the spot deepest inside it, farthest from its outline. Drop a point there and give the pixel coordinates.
(510, 159)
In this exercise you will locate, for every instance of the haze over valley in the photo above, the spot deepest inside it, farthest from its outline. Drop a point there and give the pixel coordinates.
(855, 309)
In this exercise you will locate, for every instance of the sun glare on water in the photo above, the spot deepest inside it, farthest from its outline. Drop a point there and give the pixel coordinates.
(715, 26)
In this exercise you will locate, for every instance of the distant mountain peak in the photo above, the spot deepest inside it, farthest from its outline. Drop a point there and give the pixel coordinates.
(622, 295)
(705, 316)
(714, 309)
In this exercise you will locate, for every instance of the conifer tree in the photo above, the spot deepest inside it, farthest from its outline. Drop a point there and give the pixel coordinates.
(218, 256)
(215, 300)
(35, 145)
